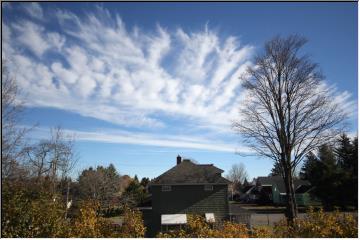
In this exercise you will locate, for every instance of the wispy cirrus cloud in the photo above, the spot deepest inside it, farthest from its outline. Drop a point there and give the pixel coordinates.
(147, 139)
(34, 10)
(130, 74)
(97, 66)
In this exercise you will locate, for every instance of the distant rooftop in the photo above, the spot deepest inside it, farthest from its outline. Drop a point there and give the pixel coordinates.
(188, 172)
(279, 182)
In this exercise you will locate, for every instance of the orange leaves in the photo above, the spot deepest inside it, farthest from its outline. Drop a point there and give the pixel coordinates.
(89, 224)
(320, 224)
(315, 224)
(197, 227)
(133, 226)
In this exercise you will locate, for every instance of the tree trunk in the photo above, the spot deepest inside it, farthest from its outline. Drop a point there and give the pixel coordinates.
(291, 207)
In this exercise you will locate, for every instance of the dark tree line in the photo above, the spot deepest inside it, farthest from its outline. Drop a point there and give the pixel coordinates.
(333, 171)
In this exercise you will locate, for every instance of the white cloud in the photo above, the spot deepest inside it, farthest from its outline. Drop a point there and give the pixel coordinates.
(158, 46)
(129, 77)
(34, 10)
(30, 35)
(64, 75)
(6, 41)
(56, 40)
(194, 62)
(125, 137)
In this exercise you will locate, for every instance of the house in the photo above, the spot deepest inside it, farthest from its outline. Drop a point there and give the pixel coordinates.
(250, 194)
(272, 190)
(187, 188)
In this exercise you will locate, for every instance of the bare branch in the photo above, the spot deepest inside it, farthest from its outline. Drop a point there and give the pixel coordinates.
(289, 111)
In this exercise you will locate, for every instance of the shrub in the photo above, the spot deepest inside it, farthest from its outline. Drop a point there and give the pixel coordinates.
(30, 210)
(232, 230)
(315, 225)
(261, 232)
(319, 224)
(133, 225)
(29, 213)
(197, 227)
(90, 224)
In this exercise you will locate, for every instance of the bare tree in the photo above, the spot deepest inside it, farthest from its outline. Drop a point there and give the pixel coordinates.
(37, 159)
(63, 157)
(288, 111)
(11, 135)
(54, 157)
(237, 174)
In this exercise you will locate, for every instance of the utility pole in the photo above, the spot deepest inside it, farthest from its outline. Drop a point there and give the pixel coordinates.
(67, 198)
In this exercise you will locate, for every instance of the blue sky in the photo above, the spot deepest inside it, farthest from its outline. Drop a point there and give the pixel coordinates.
(139, 83)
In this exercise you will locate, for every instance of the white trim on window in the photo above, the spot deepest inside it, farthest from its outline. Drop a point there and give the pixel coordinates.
(208, 188)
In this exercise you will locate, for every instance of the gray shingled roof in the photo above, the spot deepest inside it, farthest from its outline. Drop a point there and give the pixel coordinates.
(279, 182)
(188, 172)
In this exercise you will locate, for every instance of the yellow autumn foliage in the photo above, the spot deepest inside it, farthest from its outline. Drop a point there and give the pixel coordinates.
(89, 224)
(133, 225)
(261, 232)
(232, 230)
(197, 227)
(27, 213)
(318, 224)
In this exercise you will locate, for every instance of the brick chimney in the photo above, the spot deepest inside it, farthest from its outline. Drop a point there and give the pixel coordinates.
(178, 160)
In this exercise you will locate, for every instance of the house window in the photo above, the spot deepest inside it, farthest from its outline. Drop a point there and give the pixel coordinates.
(208, 187)
(166, 188)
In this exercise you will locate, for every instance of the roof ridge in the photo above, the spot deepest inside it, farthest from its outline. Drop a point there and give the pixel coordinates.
(191, 172)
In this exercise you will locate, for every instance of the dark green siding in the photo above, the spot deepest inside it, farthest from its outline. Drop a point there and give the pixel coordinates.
(189, 199)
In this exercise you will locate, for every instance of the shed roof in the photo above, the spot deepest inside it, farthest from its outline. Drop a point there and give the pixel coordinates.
(188, 172)
(279, 182)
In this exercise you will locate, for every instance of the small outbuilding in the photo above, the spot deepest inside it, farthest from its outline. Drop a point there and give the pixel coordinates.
(272, 190)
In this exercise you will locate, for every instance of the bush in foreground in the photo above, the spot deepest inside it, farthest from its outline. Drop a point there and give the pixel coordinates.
(315, 225)
(197, 227)
(34, 212)
(90, 224)
(318, 224)
(29, 213)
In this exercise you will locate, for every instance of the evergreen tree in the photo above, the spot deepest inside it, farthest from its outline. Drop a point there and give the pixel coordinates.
(134, 193)
(246, 183)
(144, 181)
(332, 172)
(346, 153)
(311, 169)
(355, 155)
(329, 185)
(136, 178)
(276, 170)
(321, 172)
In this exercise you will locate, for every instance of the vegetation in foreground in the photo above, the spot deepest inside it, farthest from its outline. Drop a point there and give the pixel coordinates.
(317, 224)
(32, 213)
